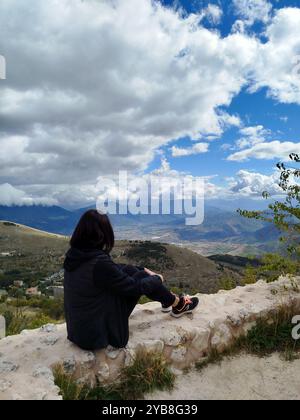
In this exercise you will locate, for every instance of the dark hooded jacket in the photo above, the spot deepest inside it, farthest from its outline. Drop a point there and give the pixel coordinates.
(99, 297)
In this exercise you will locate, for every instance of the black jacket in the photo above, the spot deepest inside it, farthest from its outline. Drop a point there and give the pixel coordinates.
(99, 297)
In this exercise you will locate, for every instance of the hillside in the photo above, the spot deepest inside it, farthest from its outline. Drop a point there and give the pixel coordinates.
(32, 255)
(28, 254)
(223, 231)
(181, 267)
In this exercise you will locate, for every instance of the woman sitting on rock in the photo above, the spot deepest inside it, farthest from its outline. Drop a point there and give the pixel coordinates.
(100, 295)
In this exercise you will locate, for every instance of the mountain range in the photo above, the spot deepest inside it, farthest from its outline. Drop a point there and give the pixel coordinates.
(33, 256)
(221, 228)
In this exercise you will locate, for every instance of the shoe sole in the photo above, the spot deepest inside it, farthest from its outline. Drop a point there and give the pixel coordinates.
(167, 310)
(182, 314)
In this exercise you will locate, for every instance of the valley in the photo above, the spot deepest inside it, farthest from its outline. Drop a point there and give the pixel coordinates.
(223, 231)
(33, 257)
(31, 274)
(197, 259)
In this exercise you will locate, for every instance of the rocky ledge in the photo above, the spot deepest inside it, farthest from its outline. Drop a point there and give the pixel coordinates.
(26, 360)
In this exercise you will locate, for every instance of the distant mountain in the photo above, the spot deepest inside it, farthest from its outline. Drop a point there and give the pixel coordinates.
(220, 226)
(51, 219)
(43, 253)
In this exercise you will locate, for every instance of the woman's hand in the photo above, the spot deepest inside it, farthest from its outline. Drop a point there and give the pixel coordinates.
(151, 273)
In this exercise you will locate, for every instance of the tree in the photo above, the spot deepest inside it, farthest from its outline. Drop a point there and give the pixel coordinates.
(284, 214)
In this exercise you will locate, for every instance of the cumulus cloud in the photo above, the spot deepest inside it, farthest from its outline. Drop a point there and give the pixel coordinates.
(251, 184)
(213, 13)
(90, 90)
(271, 150)
(94, 94)
(252, 136)
(11, 196)
(277, 66)
(195, 150)
(253, 10)
(162, 182)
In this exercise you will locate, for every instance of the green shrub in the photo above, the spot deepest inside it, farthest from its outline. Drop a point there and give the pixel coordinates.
(53, 308)
(284, 214)
(148, 372)
(149, 254)
(273, 266)
(8, 315)
(227, 283)
(69, 388)
(38, 321)
(17, 321)
(144, 300)
(270, 335)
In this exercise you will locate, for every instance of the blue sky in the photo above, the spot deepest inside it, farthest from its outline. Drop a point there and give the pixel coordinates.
(209, 88)
(254, 109)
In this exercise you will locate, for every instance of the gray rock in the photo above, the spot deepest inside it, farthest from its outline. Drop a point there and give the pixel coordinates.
(112, 353)
(129, 356)
(69, 364)
(172, 338)
(42, 371)
(201, 340)
(183, 341)
(2, 327)
(89, 357)
(6, 366)
(4, 385)
(48, 328)
(49, 340)
(178, 355)
(152, 345)
(144, 326)
(222, 337)
(103, 372)
(26, 332)
(234, 320)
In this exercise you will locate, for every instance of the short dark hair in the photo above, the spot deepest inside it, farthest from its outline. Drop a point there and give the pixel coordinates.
(94, 230)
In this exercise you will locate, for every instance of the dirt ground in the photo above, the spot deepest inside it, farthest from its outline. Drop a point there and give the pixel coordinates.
(240, 378)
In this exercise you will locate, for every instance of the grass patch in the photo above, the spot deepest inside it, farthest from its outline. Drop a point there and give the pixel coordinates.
(149, 372)
(17, 321)
(272, 335)
(227, 283)
(150, 254)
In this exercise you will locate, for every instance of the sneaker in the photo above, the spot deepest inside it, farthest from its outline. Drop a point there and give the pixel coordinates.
(186, 305)
(166, 309)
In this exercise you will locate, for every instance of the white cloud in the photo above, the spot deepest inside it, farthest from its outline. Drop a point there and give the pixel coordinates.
(213, 13)
(90, 90)
(226, 146)
(251, 184)
(284, 119)
(252, 136)
(101, 91)
(195, 150)
(268, 151)
(11, 196)
(253, 10)
(277, 65)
